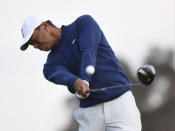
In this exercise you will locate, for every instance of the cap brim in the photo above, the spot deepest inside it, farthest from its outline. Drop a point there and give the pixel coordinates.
(26, 42)
(24, 46)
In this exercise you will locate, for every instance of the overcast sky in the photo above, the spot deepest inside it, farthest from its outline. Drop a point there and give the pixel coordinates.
(29, 102)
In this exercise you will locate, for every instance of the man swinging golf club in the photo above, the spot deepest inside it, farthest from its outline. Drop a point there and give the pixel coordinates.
(72, 48)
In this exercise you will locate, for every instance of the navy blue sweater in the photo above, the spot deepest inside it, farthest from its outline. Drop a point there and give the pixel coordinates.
(83, 43)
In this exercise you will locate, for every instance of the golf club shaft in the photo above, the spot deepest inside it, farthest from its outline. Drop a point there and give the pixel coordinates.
(114, 87)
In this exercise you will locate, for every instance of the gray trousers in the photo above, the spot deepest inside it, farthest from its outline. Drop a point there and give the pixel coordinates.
(120, 114)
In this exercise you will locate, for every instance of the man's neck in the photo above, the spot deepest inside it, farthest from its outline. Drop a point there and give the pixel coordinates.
(57, 35)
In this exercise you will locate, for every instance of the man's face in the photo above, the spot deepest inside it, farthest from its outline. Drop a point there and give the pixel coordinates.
(42, 38)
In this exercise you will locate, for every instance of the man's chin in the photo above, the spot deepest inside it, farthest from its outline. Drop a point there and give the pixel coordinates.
(45, 49)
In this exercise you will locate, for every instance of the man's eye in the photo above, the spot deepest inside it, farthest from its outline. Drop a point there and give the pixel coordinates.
(32, 42)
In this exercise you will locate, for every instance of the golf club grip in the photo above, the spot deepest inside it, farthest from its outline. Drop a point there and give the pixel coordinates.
(113, 87)
(78, 96)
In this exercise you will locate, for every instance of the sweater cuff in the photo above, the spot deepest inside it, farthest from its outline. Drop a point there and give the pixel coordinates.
(85, 77)
(71, 84)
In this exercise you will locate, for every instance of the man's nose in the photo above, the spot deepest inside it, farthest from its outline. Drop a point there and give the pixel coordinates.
(35, 45)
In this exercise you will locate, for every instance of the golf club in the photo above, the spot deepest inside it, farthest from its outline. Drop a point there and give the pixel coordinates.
(145, 74)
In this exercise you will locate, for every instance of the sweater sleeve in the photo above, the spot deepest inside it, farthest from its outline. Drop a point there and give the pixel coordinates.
(59, 75)
(89, 34)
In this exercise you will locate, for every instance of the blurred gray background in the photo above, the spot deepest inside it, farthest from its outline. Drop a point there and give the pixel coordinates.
(139, 31)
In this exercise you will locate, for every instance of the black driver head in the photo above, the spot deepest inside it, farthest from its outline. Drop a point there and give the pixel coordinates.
(146, 74)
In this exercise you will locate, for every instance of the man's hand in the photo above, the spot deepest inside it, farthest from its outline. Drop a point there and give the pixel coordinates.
(81, 87)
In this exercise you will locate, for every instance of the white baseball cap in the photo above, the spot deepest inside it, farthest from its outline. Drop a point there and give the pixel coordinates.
(28, 27)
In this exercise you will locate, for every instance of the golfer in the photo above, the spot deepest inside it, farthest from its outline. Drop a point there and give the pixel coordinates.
(72, 48)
